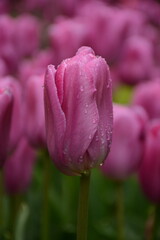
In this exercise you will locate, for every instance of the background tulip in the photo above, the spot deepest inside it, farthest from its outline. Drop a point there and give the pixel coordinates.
(34, 111)
(78, 108)
(127, 144)
(149, 173)
(147, 95)
(18, 168)
(6, 107)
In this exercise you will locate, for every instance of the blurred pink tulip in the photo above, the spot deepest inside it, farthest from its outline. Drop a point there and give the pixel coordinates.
(18, 168)
(17, 114)
(147, 95)
(127, 144)
(78, 110)
(27, 35)
(149, 174)
(34, 111)
(6, 107)
(136, 63)
(67, 32)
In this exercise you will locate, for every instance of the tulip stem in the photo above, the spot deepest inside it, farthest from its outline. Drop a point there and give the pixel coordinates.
(156, 221)
(45, 205)
(120, 211)
(1, 200)
(82, 221)
(15, 201)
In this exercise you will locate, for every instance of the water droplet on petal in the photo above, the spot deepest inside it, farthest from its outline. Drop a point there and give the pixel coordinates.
(90, 136)
(81, 88)
(97, 138)
(94, 120)
(85, 111)
(101, 165)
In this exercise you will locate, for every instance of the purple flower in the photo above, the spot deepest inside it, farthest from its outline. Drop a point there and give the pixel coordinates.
(78, 110)
(127, 144)
(149, 174)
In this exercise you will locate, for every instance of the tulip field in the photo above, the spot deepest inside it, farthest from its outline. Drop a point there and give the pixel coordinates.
(79, 120)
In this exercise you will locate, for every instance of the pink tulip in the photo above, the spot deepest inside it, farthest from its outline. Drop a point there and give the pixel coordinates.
(27, 35)
(136, 62)
(17, 114)
(7, 49)
(127, 144)
(78, 110)
(34, 111)
(6, 106)
(67, 32)
(147, 95)
(18, 168)
(149, 174)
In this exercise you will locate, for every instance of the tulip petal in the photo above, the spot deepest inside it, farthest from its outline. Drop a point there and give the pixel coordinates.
(79, 106)
(101, 142)
(55, 120)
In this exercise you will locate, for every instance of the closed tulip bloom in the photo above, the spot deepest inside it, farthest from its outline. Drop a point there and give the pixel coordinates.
(136, 63)
(18, 168)
(78, 110)
(17, 114)
(6, 107)
(67, 32)
(34, 111)
(147, 95)
(27, 35)
(149, 174)
(127, 144)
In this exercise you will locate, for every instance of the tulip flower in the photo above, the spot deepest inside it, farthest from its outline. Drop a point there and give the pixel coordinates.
(67, 32)
(78, 109)
(18, 168)
(136, 61)
(147, 95)
(26, 36)
(17, 114)
(127, 144)
(6, 107)
(78, 112)
(34, 111)
(149, 173)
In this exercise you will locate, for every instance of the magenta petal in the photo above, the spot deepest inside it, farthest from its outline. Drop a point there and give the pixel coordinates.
(55, 120)
(18, 168)
(100, 145)
(79, 106)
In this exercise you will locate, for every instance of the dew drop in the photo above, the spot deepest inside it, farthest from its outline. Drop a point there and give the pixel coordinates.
(94, 121)
(81, 88)
(90, 136)
(101, 165)
(85, 111)
(86, 105)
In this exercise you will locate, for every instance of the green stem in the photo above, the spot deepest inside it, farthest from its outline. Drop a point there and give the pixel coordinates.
(15, 201)
(120, 211)
(82, 222)
(45, 205)
(156, 221)
(1, 201)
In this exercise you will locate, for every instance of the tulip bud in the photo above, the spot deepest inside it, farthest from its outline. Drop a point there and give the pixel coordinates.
(147, 95)
(149, 174)
(18, 168)
(78, 111)
(17, 114)
(127, 144)
(34, 111)
(67, 32)
(26, 38)
(136, 61)
(6, 106)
